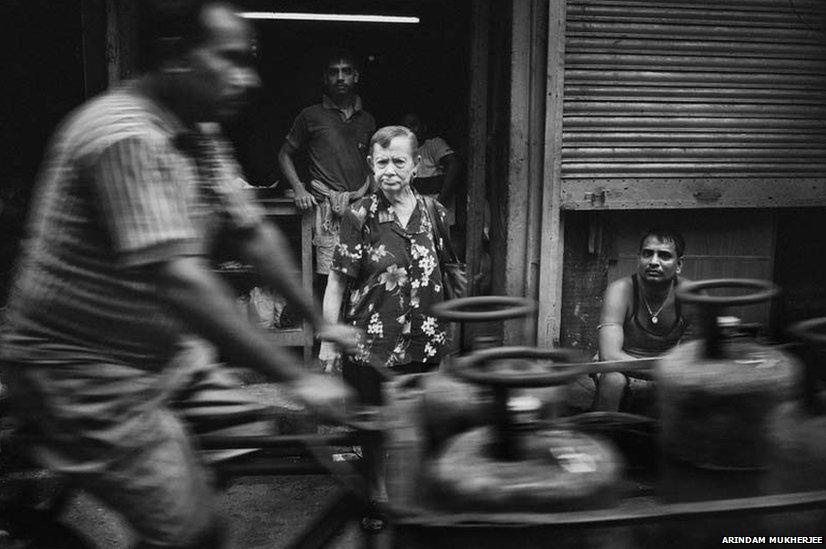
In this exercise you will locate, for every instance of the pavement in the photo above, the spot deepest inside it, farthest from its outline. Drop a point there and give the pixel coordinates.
(262, 512)
(261, 515)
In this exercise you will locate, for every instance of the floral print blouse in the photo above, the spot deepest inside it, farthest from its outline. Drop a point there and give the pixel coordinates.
(394, 279)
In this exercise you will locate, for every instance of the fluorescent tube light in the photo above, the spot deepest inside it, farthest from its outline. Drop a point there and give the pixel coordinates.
(338, 17)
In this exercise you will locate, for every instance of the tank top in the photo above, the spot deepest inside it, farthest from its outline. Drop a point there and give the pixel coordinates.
(641, 342)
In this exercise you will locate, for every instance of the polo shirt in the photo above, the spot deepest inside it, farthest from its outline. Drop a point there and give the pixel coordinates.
(336, 146)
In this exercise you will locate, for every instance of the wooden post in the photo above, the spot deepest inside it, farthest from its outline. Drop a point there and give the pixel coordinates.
(525, 165)
(536, 140)
(121, 39)
(477, 148)
(477, 140)
(109, 42)
(93, 25)
(113, 49)
(552, 231)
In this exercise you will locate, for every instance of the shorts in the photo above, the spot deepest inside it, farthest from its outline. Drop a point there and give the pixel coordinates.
(325, 237)
(640, 397)
(580, 395)
(124, 434)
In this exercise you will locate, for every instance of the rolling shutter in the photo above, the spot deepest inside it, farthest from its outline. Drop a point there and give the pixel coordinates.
(694, 104)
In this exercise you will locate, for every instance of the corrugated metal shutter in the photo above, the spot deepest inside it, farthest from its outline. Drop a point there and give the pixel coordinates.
(691, 104)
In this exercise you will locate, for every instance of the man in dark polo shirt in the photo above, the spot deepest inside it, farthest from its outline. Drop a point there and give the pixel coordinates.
(334, 134)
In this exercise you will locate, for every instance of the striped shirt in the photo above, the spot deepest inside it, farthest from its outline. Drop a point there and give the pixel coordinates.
(119, 191)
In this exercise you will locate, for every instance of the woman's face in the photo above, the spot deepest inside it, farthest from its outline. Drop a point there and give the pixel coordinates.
(394, 166)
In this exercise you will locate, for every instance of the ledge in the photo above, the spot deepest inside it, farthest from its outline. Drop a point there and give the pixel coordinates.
(691, 193)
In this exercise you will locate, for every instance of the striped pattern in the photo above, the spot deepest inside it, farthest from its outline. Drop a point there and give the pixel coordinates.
(702, 90)
(114, 196)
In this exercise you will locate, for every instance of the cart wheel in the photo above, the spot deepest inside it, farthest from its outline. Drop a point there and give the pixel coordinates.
(484, 308)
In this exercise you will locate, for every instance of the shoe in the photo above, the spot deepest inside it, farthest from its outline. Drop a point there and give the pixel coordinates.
(346, 456)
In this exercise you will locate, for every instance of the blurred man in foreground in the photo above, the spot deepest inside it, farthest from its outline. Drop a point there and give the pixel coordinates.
(115, 282)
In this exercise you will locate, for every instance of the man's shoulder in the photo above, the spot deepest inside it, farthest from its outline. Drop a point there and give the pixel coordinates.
(109, 118)
(367, 121)
(316, 111)
(312, 116)
(435, 142)
(366, 115)
(621, 285)
(682, 281)
(315, 108)
(436, 147)
(617, 301)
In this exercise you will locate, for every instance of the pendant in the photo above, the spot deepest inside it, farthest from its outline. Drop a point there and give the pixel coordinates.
(653, 320)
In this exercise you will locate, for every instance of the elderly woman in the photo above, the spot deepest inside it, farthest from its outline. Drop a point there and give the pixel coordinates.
(386, 266)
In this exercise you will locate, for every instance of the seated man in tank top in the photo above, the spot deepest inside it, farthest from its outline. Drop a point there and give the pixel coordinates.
(641, 317)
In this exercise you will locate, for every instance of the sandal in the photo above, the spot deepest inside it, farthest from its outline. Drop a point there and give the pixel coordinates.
(374, 520)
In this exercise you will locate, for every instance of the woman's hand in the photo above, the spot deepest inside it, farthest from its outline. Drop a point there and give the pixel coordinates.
(327, 356)
(344, 336)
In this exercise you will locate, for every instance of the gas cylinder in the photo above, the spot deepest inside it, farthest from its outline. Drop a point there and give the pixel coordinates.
(718, 395)
(514, 464)
(449, 405)
(799, 428)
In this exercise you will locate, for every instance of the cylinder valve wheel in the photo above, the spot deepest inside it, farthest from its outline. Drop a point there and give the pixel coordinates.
(486, 308)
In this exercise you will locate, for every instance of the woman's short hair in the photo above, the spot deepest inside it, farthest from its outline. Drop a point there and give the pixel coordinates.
(385, 135)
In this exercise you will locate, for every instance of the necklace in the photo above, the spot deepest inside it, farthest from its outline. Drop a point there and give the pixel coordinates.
(655, 315)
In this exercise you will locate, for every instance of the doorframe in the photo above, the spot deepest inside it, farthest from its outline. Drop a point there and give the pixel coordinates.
(552, 232)
(476, 173)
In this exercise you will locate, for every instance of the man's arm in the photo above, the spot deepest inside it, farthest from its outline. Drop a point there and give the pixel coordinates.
(266, 249)
(333, 297)
(611, 335)
(452, 166)
(303, 199)
(612, 385)
(206, 304)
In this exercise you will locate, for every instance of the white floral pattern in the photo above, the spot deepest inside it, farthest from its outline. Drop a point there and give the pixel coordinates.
(376, 327)
(377, 253)
(394, 280)
(393, 277)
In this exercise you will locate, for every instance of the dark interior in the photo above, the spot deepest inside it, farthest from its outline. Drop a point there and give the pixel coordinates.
(419, 67)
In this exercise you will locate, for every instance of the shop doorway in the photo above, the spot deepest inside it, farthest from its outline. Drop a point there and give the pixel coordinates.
(404, 67)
